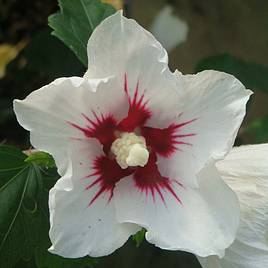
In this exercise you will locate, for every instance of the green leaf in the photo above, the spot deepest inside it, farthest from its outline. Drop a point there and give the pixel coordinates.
(24, 220)
(259, 129)
(42, 159)
(23, 207)
(139, 237)
(10, 157)
(252, 75)
(76, 21)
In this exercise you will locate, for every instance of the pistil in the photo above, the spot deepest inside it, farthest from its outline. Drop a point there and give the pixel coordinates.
(130, 150)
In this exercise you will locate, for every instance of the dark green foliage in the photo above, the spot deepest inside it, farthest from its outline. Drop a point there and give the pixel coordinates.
(48, 56)
(259, 129)
(21, 213)
(5, 110)
(252, 75)
(24, 219)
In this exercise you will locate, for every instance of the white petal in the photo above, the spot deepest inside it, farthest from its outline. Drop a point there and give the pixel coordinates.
(245, 170)
(77, 228)
(216, 102)
(203, 223)
(121, 48)
(46, 113)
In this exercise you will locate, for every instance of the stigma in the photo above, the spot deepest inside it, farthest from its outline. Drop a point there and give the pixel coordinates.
(130, 150)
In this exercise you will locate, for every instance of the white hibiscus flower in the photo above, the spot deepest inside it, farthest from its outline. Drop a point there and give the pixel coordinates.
(136, 145)
(245, 170)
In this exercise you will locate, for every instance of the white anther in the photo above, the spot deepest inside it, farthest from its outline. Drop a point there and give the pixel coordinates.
(130, 150)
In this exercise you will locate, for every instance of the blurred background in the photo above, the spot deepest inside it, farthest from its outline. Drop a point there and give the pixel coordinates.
(227, 35)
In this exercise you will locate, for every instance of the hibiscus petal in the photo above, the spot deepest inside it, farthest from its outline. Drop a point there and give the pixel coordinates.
(245, 170)
(212, 109)
(202, 221)
(121, 48)
(66, 110)
(83, 218)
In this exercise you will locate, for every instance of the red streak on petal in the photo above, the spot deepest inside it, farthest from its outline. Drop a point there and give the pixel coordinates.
(126, 87)
(101, 128)
(165, 141)
(148, 179)
(138, 112)
(106, 174)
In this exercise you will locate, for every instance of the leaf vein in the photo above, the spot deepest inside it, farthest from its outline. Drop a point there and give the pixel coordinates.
(17, 211)
(88, 17)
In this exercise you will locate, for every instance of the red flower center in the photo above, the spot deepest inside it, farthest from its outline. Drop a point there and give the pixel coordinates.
(163, 142)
